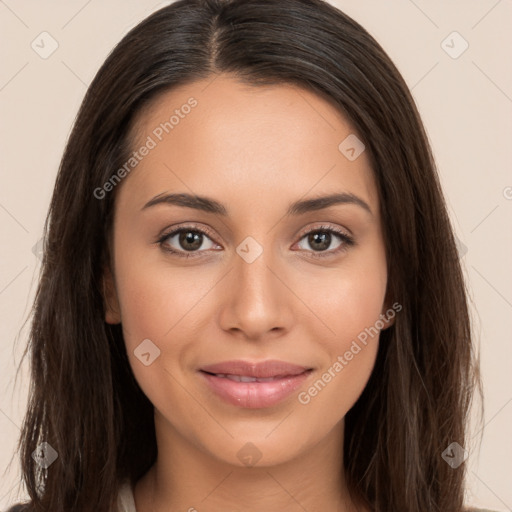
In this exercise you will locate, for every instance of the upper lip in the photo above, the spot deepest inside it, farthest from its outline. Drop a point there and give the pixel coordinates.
(262, 369)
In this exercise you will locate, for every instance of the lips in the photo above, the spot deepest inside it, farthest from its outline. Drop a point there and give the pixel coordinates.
(254, 385)
(262, 370)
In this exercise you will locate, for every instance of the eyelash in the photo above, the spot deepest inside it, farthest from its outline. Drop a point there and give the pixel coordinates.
(347, 241)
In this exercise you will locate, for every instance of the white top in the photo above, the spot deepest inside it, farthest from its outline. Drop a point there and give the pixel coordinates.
(125, 500)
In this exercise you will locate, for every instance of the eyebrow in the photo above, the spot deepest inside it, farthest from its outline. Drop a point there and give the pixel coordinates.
(300, 207)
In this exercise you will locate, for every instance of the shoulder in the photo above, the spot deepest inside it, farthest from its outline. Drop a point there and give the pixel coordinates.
(125, 498)
(480, 510)
(125, 501)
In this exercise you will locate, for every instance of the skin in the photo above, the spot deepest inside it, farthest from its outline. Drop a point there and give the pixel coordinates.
(255, 150)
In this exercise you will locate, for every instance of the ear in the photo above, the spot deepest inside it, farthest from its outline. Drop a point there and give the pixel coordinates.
(112, 310)
(388, 319)
(389, 312)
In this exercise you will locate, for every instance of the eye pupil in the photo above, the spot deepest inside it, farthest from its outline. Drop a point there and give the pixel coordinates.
(190, 240)
(191, 237)
(323, 238)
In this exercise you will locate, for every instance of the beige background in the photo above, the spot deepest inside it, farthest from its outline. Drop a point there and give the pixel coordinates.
(466, 104)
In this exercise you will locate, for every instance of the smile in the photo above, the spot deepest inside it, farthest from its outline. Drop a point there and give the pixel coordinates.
(254, 392)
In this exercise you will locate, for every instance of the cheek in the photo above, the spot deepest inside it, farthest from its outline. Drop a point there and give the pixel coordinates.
(161, 305)
(347, 300)
(348, 308)
(155, 298)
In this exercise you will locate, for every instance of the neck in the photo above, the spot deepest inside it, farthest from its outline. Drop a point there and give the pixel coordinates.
(186, 478)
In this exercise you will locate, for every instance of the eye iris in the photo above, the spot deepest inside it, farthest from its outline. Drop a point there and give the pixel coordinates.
(192, 240)
(322, 237)
(191, 237)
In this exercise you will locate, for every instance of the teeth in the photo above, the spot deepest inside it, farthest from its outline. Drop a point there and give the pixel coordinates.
(244, 378)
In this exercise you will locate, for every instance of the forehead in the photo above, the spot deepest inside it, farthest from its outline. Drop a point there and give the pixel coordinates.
(257, 143)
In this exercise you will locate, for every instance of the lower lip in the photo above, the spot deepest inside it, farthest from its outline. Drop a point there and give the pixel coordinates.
(254, 395)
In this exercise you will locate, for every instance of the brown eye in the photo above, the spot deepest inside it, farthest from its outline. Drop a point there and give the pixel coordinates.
(186, 241)
(319, 240)
(326, 240)
(190, 240)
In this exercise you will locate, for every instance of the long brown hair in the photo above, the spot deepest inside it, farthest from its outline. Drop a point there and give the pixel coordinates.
(84, 400)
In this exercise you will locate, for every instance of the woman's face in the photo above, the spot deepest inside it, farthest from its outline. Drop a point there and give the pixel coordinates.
(244, 281)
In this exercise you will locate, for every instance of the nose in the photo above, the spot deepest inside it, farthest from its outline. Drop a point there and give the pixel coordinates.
(256, 303)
